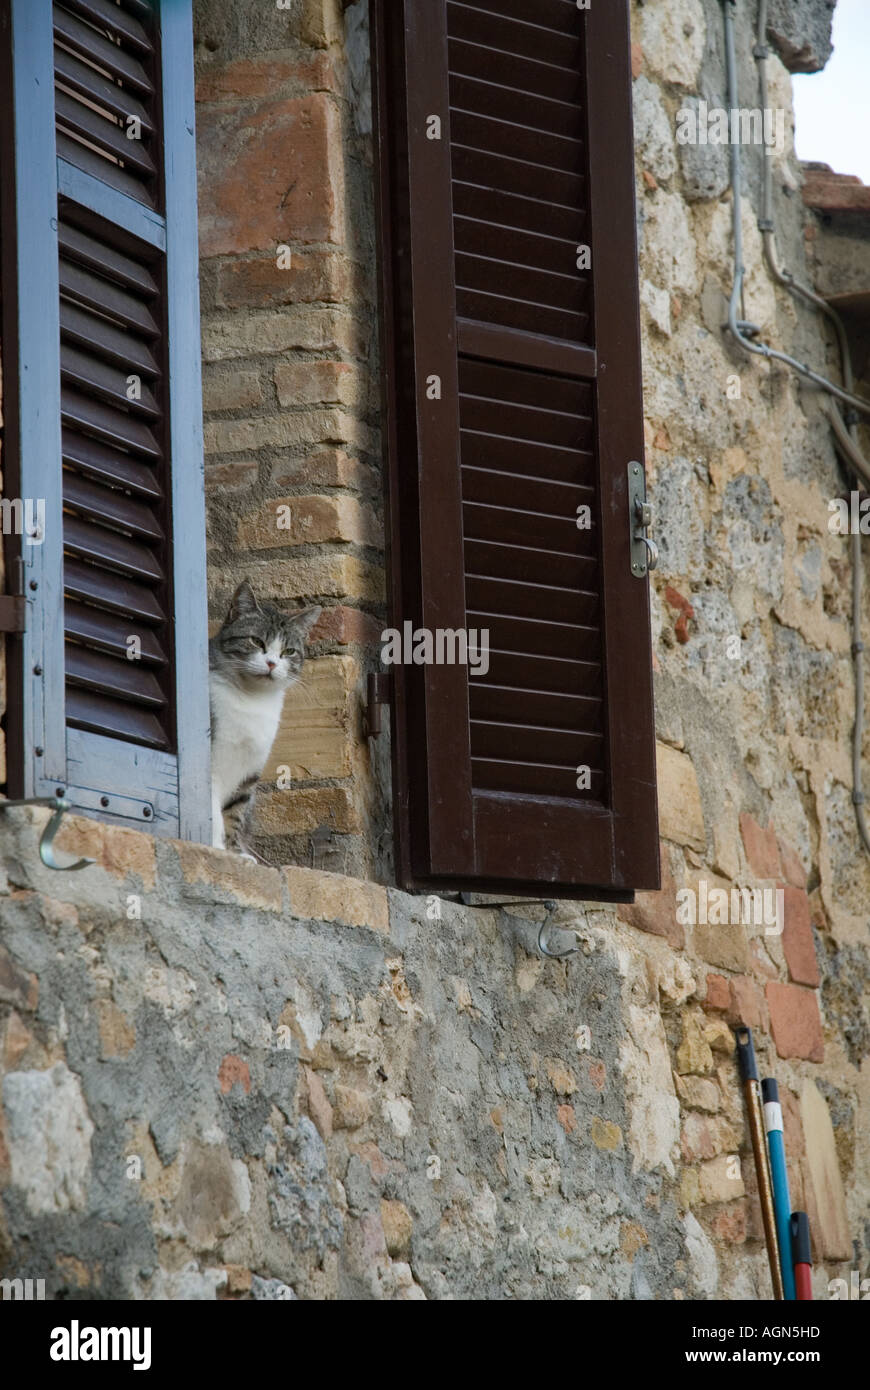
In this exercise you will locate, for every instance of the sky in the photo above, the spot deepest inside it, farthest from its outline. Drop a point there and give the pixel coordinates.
(832, 107)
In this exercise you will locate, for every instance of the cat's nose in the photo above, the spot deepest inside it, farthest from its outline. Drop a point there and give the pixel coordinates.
(270, 663)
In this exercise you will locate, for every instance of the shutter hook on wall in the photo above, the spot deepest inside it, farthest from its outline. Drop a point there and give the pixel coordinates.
(46, 839)
(546, 926)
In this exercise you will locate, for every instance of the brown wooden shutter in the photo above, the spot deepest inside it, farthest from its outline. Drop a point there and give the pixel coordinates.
(482, 228)
(101, 264)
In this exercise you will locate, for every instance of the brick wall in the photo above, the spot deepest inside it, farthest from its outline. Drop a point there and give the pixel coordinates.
(292, 469)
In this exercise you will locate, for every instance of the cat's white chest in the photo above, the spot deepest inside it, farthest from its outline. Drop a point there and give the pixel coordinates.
(245, 729)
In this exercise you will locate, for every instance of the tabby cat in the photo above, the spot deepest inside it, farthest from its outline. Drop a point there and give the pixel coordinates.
(253, 660)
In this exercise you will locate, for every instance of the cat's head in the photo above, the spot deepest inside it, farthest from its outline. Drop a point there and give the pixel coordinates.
(258, 646)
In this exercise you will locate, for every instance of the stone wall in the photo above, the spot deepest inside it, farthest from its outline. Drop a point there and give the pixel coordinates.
(224, 1080)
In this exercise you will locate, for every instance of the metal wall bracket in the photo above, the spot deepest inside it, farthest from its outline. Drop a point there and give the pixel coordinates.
(644, 552)
(13, 605)
(377, 695)
(46, 840)
(13, 613)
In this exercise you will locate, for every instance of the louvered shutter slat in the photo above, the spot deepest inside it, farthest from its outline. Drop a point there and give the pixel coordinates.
(84, 39)
(93, 627)
(102, 587)
(516, 141)
(550, 14)
(538, 113)
(70, 71)
(87, 373)
(95, 460)
(97, 293)
(122, 25)
(107, 547)
(107, 425)
(108, 137)
(86, 330)
(527, 34)
(100, 714)
(112, 507)
(125, 679)
(512, 598)
(512, 704)
(80, 248)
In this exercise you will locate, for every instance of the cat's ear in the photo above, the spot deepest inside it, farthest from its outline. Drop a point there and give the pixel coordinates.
(242, 602)
(306, 619)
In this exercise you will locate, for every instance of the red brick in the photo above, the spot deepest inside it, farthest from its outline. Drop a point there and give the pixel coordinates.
(344, 625)
(718, 992)
(312, 277)
(747, 1003)
(795, 1021)
(636, 60)
(656, 913)
(761, 848)
(269, 175)
(265, 77)
(317, 383)
(234, 1069)
(792, 868)
(326, 468)
(797, 937)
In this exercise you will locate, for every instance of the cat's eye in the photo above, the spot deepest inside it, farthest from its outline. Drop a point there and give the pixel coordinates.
(255, 641)
(290, 651)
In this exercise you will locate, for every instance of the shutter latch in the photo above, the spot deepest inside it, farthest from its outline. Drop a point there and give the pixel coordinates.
(13, 607)
(644, 552)
(377, 694)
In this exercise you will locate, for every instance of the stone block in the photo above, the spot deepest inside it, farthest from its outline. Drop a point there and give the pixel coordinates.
(795, 1021)
(323, 897)
(681, 816)
(269, 174)
(797, 937)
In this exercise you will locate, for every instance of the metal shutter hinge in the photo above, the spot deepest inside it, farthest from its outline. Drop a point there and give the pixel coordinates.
(377, 695)
(644, 552)
(13, 606)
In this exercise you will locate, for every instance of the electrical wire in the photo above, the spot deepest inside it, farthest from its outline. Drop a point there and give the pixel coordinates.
(739, 327)
(845, 438)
